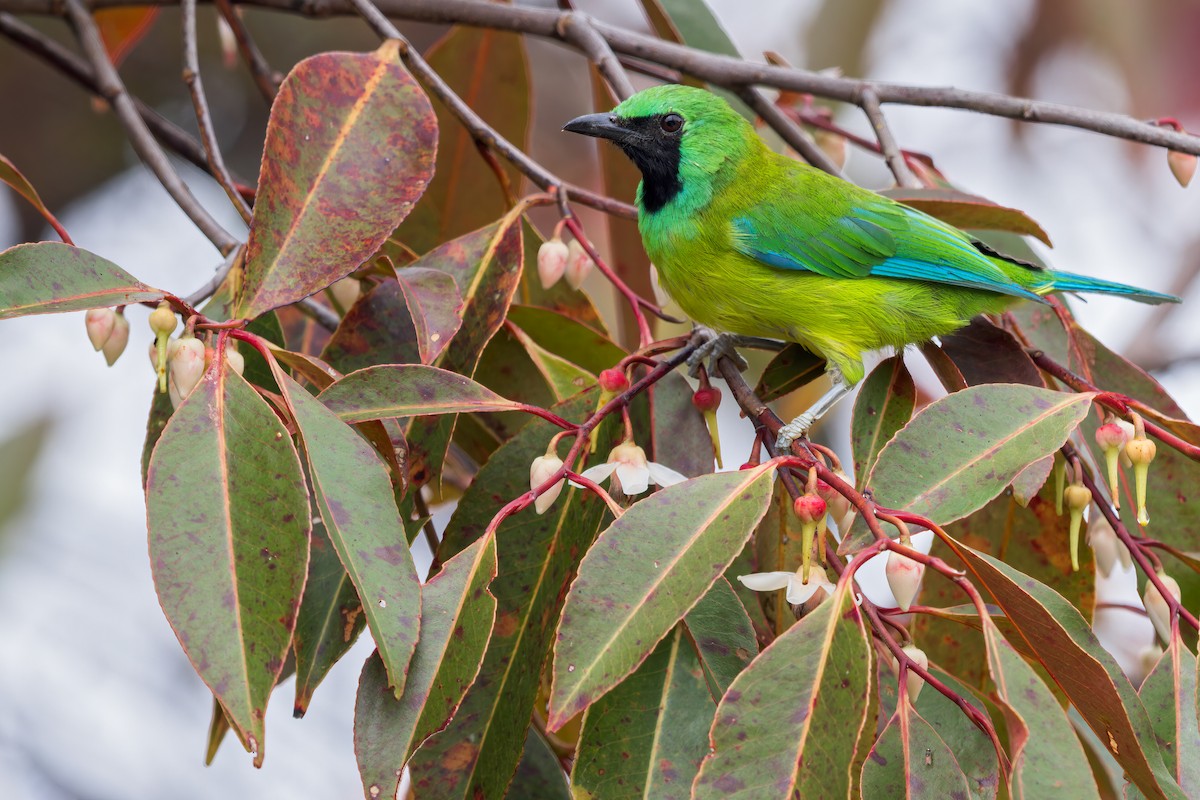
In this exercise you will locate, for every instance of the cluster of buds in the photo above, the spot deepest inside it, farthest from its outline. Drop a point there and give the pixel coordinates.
(108, 331)
(543, 469)
(1107, 548)
(811, 510)
(557, 260)
(707, 399)
(912, 681)
(1078, 497)
(1140, 452)
(1158, 608)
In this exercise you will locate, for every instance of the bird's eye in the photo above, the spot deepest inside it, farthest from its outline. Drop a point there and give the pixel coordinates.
(671, 123)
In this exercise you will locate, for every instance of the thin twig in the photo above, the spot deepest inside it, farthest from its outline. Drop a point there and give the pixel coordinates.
(208, 136)
(869, 102)
(577, 29)
(265, 78)
(791, 133)
(318, 314)
(144, 143)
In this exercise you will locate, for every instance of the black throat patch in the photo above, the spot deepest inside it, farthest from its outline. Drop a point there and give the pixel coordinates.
(656, 155)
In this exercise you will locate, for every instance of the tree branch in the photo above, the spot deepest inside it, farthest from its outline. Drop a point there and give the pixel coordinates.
(869, 102)
(266, 79)
(577, 29)
(791, 133)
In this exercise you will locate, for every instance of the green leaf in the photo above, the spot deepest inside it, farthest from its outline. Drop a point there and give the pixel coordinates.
(229, 524)
(331, 618)
(884, 405)
(972, 749)
(408, 390)
(562, 335)
(457, 614)
(1029, 481)
(353, 492)
(910, 760)
(478, 752)
(645, 572)
(49, 277)
(435, 307)
(488, 70)
(985, 353)
(350, 147)
(1047, 758)
(723, 636)
(962, 450)
(964, 210)
(21, 185)
(1169, 694)
(1086, 672)
(678, 433)
(790, 722)
(647, 737)
(540, 774)
(792, 368)
(377, 329)
(564, 378)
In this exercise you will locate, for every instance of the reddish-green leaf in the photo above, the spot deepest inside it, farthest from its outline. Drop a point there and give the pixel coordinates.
(647, 737)
(408, 390)
(884, 405)
(962, 450)
(477, 753)
(791, 721)
(21, 185)
(568, 337)
(792, 368)
(1086, 672)
(645, 572)
(330, 618)
(723, 636)
(352, 491)
(910, 760)
(488, 70)
(973, 750)
(229, 523)
(964, 210)
(540, 774)
(564, 378)
(350, 147)
(985, 353)
(435, 306)
(457, 614)
(377, 329)
(678, 432)
(1169, 694)
(1047, 758)
(1029, 481)
(49, 277)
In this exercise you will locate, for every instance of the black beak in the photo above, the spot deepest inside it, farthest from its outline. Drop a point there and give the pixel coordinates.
(602, 126)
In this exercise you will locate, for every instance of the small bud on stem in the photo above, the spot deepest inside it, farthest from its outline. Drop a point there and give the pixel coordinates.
(1157, 607)
(1078, 498)
(1111, 438)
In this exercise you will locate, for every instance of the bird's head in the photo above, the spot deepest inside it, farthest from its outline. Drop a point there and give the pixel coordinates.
(678, 136)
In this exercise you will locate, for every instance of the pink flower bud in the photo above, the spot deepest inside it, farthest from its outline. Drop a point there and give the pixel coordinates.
(1111, 435)
(1183, 166)
(541, 470)
(613, 381)
(1157, 607)
(809, 507)
(838, 505)
(579, 264)
(99, 322)
(552, 261)
(235, 360)
(117, 341)
(904, 578)
(707, 398)
(187, 367)
(912, 681)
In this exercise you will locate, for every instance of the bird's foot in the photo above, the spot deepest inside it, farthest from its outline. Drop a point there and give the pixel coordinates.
(716, 346)
(796, 429)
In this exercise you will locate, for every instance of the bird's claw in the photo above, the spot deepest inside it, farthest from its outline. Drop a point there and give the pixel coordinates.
(717, 346)
(796, 429)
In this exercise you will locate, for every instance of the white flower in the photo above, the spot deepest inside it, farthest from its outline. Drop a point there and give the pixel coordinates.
(633, 473)
(541, 470)
(797, 590)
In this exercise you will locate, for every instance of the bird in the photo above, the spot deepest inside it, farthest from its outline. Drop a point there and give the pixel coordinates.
(752, 243)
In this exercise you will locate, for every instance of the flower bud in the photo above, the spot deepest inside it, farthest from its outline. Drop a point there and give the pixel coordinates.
(1107, 549)
(706, 400)
(235, 360)
(613, 381)
(117, 341)
(904, 578)
(99, 323)
(187, 367)
(810, 508)
(1148, 658)
(839, 506)
(1157, 607)
(1078, 498)
(552, 261)
(912, 681)
(162, 319)
(1183, 166)
(541, 470)
(579, 264)
(1111, 438)
(1141, 452)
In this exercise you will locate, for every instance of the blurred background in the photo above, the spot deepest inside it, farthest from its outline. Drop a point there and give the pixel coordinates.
(98, 699)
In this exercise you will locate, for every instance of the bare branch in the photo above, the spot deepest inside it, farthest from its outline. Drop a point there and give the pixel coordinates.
(869, 102)
(577, 29)
(266, 79)
(795, 137)
(208, 136)
(113, 90)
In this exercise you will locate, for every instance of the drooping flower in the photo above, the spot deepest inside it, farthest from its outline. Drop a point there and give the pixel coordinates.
(798, 591)
(541, 470)
(552, 261)
(631, 471)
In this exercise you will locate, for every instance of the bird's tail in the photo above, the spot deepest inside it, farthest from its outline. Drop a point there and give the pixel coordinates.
(1069, 282)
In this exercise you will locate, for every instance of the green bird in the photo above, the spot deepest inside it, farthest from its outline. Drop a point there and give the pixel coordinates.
(753, 243)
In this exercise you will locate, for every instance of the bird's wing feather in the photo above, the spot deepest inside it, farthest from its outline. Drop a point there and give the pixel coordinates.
(877, 237)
